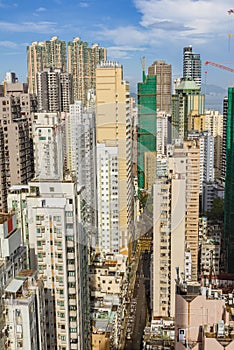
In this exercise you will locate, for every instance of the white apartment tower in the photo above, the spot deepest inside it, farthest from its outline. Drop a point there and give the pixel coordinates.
(25, 320)
(12, 261)
(54, 90)
(58, 250)
(169, 195)
(108, 201)
(191, 65)
(48, 146)
(175, 226)
(81, 155)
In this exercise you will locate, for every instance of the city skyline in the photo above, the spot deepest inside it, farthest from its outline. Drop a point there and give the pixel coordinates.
(203, 24)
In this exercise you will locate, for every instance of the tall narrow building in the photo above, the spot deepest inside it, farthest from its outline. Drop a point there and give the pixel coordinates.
(40, 55)
(16, 152)
(163, 73)
(175, 226)
(229, 185)
(58, 250)
(192, 65)
(224, 141)
(54, 90)
(147, 109)
(187, 100)
(113, 128)
(81, 155)
(47, 139)
(82, 61)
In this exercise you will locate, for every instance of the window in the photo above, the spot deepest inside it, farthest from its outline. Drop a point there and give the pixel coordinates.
(73, 330)
(71, 273)
(70, 238)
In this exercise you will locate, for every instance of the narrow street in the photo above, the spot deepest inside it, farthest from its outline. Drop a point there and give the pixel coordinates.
(141, 295)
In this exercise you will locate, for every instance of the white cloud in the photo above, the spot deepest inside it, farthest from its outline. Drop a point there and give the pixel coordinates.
(29, 27)
(122, 52)
(41, 9)
(83, 4)
(124, 36)
(8, 44)
(191, 18)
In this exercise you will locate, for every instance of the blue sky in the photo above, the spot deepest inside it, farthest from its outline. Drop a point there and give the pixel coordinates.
(129, 29)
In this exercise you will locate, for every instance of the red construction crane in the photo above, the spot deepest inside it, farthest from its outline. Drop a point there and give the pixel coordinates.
(220, 66)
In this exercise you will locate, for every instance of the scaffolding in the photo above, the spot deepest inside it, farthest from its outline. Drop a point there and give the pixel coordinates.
(146, 123)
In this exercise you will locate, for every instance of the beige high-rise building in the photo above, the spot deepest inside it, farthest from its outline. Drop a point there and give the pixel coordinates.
(163, 73)
(113, 128)
(191, 149)
(211, 121)
(50, 53)
(82, 61)
(175, 226)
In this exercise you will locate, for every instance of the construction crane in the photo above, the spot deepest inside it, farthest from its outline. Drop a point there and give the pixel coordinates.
(220, 66)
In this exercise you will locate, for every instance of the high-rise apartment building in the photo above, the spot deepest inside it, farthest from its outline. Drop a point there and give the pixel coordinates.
(25, 319)
(12, 261)
(58, 250)
(192, 65)
(41, 55)
(207, 152)
(224, 140)
(54, 90)
(146, 133)
(168, 230)
(81, 155)
(175, 230)
(109, 240)
(82, 62)
(113, 128)
(17, 147)
(229, 185)
(186, 101)
(48, 146)
(163, 73)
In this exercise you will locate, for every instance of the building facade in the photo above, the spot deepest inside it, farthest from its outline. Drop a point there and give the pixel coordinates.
(58, 250)
(113, 127)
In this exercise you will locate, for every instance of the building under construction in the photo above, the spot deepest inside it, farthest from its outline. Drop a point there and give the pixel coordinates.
(146, 124)
(229, 185)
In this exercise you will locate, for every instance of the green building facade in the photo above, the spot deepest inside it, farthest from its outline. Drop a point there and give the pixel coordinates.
(229, 186)
(187, 99)
(147, 111)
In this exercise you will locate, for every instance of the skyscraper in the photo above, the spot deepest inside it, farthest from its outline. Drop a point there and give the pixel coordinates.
(113, 128)
(81, 154)
(50, 53)
(186, 100)
(16, 152)
(175, 231)
(82, 61)
(54, 90)
(163, 73)
(224, 141)
(191, 65)
(48, 151)
(147, 108)
(58, 250)
(229, 185)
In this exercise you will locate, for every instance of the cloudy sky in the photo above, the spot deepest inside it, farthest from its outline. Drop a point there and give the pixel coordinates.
(130, 29)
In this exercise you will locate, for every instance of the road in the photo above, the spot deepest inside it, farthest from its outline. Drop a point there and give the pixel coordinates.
(141, 294)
